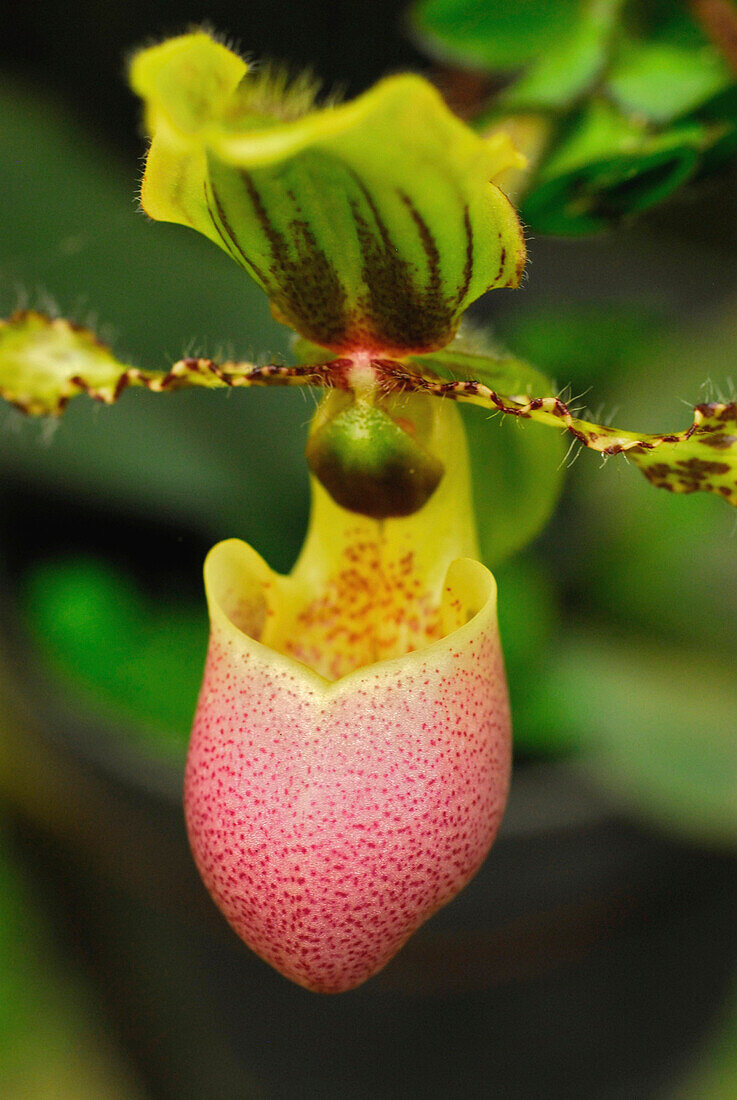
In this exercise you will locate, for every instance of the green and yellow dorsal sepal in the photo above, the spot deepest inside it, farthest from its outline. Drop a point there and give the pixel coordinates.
(371, 225)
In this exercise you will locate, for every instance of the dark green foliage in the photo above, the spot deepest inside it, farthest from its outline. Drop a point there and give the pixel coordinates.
(633, 99)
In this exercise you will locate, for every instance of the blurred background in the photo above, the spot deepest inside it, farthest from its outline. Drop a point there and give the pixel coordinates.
(595, 955)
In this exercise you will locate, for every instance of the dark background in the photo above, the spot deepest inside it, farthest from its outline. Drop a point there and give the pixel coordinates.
(76, 50)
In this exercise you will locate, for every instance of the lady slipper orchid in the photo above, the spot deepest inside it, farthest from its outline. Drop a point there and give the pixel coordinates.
(350, 757)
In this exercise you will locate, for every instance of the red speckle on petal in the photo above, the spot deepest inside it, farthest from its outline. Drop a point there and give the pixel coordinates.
(329, 822)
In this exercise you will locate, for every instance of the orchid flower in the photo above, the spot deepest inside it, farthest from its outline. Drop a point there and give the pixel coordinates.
(350, 757)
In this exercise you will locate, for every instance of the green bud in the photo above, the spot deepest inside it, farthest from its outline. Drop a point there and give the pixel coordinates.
(373, 458)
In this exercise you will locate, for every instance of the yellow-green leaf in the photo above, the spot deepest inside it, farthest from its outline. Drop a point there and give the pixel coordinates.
(609, 164)
(370, 225)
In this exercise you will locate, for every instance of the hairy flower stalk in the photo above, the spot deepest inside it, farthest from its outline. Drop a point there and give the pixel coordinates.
(350, 757)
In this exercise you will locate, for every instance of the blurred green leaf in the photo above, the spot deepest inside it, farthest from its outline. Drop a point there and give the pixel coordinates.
(562, 75)
(528, 614)
(662, 80)
(607, 166)
(632, 532)
(580, 343)
(492, 34)
(77, 237)
(518, 471)
(655, 726)
(641, 100)
(127, 653)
